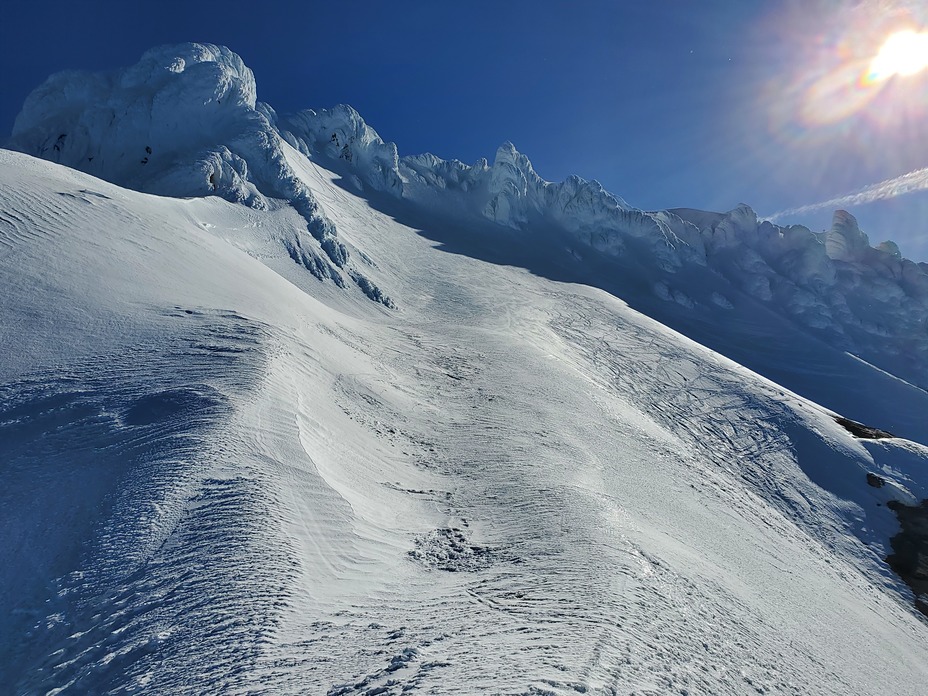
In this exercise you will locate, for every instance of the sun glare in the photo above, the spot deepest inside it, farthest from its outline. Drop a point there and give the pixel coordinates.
(903, 53)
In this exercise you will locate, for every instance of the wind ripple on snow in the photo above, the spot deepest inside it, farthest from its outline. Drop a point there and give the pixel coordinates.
(158, 566)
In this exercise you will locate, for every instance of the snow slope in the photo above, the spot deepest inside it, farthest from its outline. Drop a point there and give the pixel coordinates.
(185, 121)
(223, 475)
(226, 470)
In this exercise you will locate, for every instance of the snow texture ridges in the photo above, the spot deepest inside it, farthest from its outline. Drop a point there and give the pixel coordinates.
(185, 121)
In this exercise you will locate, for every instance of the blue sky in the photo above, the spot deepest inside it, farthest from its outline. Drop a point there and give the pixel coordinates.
(669, 103)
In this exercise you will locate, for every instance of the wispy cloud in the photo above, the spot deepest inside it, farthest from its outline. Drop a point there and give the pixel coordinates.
(890, 188)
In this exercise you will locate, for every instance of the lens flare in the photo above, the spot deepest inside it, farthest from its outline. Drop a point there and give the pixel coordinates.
(846, 106)
(854, 73)
(904, 53)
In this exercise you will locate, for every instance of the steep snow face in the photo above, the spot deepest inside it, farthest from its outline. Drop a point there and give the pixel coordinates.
(185, 122)
(341, 134)
(215, 475)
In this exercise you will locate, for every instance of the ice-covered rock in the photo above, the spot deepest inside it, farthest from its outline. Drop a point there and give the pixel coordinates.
(341, 134)
(183, 121)
(890, 247)
(845, 241)
(510, 193)
(513, 186)
(167, 125)
(868, 301)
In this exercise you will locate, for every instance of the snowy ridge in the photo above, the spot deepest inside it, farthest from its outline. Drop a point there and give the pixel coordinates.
(866, 300)
(218, 478)
(185, 122)
(341, 134)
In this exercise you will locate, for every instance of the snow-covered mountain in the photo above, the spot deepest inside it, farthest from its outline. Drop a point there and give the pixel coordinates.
(226, 470)
(185, 121)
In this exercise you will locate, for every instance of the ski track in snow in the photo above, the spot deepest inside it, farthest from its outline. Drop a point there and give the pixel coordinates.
(509, 485)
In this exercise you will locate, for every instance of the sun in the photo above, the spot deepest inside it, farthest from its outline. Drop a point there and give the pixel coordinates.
(903, 53)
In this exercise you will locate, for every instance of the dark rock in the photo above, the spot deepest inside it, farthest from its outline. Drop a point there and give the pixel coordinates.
(863, 431)
(909, 558)
(875, 481)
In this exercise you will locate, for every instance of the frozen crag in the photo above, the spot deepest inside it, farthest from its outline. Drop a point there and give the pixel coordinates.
(183, 122)
(507, 192)
(510, 193)
(867, 301)
(341, 134)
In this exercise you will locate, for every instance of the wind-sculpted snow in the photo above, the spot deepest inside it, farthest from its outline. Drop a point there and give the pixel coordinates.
(221, 476)
(185, 121)
(169, 125)
(341, 134)
(868, 301)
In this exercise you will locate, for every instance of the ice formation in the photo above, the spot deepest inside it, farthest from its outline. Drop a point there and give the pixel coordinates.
(185, 121)
(220, 474)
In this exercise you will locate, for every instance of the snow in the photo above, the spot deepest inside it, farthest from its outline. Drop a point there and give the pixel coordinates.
(509, 483)
(225, 472)
(185, 121)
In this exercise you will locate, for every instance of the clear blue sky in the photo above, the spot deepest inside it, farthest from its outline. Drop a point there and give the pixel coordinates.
(668, 103)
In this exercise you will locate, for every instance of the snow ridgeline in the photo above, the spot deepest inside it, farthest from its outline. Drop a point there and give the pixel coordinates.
(185, 121)
(868, 301)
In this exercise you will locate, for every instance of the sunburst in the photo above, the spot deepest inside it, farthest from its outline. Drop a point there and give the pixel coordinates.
(903, 53)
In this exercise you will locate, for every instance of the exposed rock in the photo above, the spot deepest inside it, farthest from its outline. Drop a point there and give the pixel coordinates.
(910, 550)
(862, 431)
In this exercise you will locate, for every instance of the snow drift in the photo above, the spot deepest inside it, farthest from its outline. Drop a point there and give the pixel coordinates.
(222, 474)
(185, 121)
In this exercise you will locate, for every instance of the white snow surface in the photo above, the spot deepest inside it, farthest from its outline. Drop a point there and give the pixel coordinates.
(225, 474)
(222, 475)
(185, 121)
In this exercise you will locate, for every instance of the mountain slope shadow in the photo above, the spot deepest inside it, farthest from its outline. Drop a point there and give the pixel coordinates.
(743, 328)
(127, 543)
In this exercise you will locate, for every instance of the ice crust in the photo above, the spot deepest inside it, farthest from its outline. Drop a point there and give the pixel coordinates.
(185, 121)
(220, 474)
(182, 122)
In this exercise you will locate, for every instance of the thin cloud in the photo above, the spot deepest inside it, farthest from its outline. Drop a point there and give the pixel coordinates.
(890, 188)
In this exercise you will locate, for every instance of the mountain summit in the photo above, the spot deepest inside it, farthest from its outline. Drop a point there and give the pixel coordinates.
(185, 121)
(570, 447)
